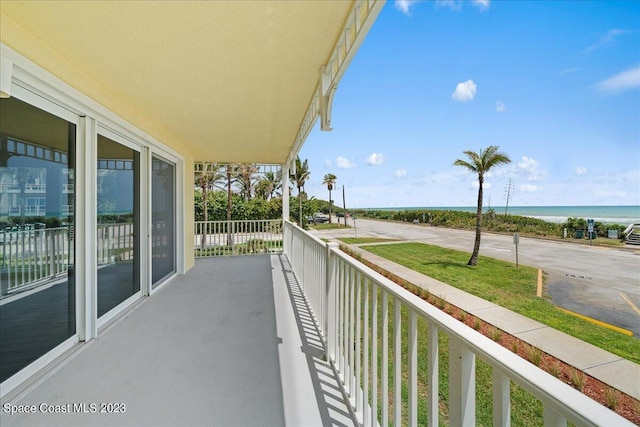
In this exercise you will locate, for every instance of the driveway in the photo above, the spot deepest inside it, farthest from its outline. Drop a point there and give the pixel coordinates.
(602, 283)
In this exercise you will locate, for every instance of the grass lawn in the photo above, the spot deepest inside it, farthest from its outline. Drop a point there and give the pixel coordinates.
(502, 283)
(360, 240)
(332, 226)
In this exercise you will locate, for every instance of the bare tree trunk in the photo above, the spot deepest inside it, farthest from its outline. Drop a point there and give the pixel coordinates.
(329, 206)
(476, 246)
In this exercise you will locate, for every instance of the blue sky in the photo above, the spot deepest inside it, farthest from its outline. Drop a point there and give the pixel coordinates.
(555, 84)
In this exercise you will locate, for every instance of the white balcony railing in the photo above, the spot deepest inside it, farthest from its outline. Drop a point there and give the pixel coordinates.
(217, 238)
(32, 256)
(351, 304)
(115, 243)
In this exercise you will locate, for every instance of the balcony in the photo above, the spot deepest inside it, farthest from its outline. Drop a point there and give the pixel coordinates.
(244, 340)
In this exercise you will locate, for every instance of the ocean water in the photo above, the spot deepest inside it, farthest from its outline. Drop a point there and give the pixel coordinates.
(606, 214)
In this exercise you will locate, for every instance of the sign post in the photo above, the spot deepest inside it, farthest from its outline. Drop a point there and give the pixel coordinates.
(516, 240)
(590, 224)
(355, 229)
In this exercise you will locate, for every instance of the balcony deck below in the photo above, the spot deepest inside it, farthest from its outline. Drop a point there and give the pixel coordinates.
(231, 343)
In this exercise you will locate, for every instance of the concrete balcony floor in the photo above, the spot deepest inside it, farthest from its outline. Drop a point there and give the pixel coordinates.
(231, 343)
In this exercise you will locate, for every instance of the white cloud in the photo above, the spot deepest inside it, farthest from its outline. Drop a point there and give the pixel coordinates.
(528, 188)
(464, 91)
(400, 173)
(607, 39)
(456, 5)
(581, 171)
(327, 163)
(343, 163)
(375, 159)
(500, 107)
(481, 4)
(529, 168)
(621, 82)
(404, 6)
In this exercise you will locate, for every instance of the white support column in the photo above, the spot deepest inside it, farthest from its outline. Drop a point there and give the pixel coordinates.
(501, 399)
(285, 192)
(462, 385)
(85, 229)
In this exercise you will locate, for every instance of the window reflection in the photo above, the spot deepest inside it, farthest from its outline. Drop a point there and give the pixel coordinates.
(118, 223)
(37, 291)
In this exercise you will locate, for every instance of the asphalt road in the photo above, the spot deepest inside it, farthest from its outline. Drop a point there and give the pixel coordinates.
(602, 283)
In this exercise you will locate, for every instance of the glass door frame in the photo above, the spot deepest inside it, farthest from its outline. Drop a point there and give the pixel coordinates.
(167, 159)
(143, 208)
(40, 102)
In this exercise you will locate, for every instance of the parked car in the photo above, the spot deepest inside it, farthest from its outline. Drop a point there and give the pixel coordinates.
(320, 218)
(340, 215)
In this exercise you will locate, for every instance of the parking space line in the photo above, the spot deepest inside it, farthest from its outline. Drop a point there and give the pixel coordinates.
(628, 300)
(597, 322)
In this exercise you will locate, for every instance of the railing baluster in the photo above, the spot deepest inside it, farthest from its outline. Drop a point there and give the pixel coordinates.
(462, 384)
(342, 320)
(365, 354)
(358, 343)
(413, 369)
(374, 354)
(351, 341)
(432, 375)
(552, 418)
(501, 399)
(397, 363)
(385, 359)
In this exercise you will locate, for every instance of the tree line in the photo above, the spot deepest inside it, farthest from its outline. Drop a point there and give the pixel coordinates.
(243, 192)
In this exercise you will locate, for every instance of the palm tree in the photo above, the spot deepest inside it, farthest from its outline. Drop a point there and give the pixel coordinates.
(300, 176)
(246, 180)
(207, 178)
(273, 183)
(330, 181)
(481, 163)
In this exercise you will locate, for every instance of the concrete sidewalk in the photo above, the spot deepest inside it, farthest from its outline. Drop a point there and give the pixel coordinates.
(600, 364)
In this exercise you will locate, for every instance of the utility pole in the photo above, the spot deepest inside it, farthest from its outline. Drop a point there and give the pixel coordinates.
(508, 193)
(344, 207)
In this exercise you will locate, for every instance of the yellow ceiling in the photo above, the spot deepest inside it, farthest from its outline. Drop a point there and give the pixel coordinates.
(224, 81)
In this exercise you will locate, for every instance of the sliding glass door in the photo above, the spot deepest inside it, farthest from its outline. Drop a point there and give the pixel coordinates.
(163, 223)
(118, 223)
(37, 251)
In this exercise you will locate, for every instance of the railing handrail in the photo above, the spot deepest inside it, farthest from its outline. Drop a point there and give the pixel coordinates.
(630, 228)
(224, 221)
